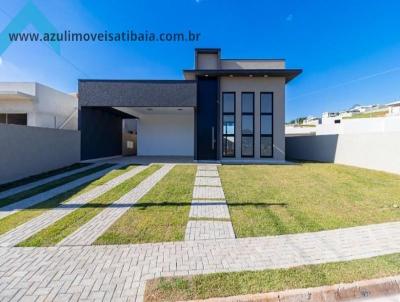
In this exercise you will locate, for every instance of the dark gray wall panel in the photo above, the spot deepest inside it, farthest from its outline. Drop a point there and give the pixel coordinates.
(101, 132)
(125, 93)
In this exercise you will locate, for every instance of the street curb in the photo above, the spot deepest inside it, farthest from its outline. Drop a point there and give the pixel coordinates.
(331, 293)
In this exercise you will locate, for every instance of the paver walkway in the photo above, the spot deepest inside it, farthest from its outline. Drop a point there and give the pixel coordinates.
(93, 229)
(43, 181)
(33, 226)
(208, 203)
(30, 201)
(119, 272)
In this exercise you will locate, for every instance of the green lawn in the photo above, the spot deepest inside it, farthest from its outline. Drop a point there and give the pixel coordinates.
(161, 215)
(68, 224)
(51, 185)
(281, 199)
(24, 181)
(10, 222)
(230, 284)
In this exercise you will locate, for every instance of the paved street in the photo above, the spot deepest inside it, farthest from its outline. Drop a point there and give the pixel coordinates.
(120, 272)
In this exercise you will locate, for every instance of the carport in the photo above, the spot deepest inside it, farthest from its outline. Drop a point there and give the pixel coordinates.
(165, 113)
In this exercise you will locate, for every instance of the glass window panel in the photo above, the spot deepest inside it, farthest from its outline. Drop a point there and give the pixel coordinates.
(266, 102)
(17, 119)
(2, 118)
(266, 146)
(266, 124)
(247, 124)
(228, 102)
(229, 146)
(229, 124)
(247, 146)
(247, 102)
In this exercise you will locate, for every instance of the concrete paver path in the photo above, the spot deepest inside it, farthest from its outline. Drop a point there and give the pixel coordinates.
(93, 229)
(30, 201)
(208, 205)
(120, 272)
(46, 180)
(35, 225)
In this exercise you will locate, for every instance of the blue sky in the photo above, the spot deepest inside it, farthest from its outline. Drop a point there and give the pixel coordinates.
(349, 50)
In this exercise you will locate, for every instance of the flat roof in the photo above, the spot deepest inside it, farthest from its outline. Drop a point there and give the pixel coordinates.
(288, 74)
(16, 95)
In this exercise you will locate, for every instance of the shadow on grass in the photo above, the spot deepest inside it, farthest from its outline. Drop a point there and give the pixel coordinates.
(158, 204)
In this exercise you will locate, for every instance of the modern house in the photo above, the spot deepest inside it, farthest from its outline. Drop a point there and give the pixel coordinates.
(36, 105)
(224, 109)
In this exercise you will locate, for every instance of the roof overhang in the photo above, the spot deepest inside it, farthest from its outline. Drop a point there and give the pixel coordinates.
(288, 74)
(137, 93)
(16, 95)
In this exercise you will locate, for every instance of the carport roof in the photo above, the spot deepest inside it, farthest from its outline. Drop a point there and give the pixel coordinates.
(137, 93)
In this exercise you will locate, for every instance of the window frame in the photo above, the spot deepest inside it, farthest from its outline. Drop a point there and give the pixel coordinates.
(272, 123)
(7, 118)
(233, 114)
(241, 123)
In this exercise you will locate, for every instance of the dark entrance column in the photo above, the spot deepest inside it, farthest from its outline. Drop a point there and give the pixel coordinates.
(207, 118)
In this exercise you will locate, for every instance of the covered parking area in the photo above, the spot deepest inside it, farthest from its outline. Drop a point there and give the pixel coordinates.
(164, 114)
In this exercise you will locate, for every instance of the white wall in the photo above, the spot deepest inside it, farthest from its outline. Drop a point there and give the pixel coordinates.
(26, 151)
(379, 151)
(257, 85)
(361, 125)
(168, 134)
(252, 64)
(49, 107)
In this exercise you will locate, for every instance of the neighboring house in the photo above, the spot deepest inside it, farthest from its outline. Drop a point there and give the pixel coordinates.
(334, 117)
(37, 105)
(394, 108)
(225, 109)
(311, 121)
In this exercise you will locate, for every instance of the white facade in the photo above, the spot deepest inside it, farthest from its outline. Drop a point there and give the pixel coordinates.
(163, 131)
(44, 106)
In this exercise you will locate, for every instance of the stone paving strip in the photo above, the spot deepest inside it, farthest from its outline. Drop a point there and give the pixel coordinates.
(204, 192)
(207, 173)
(215, 209)
(33, 226)
(40, 182)
(89, 232)
(208, 203)
(30, 201)
(206, 230)
(119, 272)
(208, 181)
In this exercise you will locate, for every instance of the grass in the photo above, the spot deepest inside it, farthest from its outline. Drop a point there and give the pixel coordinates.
(10, 222)
(230, 284)
(48, 186)
(281, 199)
(368, 114)
(68, 224)
(24, 181)
(161, 215)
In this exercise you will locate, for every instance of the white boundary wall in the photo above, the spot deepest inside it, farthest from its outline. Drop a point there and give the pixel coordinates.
(361, 125)
(379, 151)
(25, 151)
